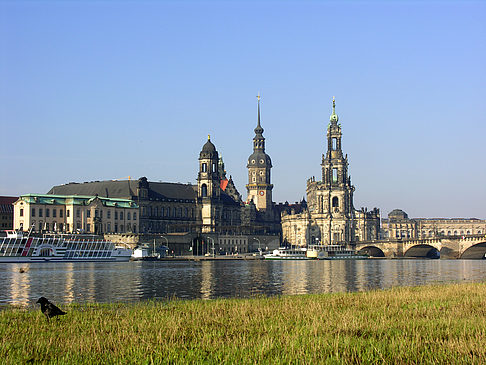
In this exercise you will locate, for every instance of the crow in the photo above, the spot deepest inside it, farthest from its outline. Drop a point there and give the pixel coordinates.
(49, 309)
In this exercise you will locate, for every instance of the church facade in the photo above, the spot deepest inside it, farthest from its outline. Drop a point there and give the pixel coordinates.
(329, 216)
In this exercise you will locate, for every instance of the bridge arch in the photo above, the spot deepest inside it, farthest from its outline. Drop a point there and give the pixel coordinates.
(371, 251)
(477, 251)
(422, 250)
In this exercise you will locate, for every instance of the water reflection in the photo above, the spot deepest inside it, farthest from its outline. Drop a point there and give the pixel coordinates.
(133, 281)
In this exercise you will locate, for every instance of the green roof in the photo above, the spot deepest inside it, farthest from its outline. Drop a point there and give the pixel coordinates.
(50, 199)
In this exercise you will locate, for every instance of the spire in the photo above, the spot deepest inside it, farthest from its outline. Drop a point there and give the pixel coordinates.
(258, 129)
(334, 118)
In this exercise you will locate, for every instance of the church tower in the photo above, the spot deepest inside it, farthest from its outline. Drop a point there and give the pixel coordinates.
(338, 191)
(259, 166)
(208, 185)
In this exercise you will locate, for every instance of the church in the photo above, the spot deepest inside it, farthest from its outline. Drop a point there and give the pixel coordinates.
(329, 216)
(213, 206)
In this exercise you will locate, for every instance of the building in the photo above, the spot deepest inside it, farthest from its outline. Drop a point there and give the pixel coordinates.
(7, 212)
(400, 226)
(329, 216)
(75, 214)
(211, 207)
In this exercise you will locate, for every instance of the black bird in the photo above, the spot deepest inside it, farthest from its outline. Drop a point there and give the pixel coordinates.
(49, 309)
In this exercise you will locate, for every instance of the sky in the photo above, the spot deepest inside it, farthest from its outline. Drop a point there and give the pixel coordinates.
(102, 90)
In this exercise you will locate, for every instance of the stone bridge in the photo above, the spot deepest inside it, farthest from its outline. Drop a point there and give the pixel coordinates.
(450, 247)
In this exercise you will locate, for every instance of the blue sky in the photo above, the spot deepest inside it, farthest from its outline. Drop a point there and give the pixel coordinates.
(101, 90)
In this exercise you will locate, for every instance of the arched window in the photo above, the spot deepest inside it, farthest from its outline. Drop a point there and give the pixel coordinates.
(334, 144)
(204, 190)
(335, 202)
(204, 167)
(334, 175)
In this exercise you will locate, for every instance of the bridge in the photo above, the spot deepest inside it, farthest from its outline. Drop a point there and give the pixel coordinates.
(448, 247)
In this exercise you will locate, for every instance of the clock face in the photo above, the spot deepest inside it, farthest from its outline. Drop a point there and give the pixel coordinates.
(262, 193)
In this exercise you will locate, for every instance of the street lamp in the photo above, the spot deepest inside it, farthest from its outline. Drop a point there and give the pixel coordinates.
(166, 241)
(212, 239)
(259, 244)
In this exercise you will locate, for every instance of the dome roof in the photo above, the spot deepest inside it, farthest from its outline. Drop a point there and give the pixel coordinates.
(208, 150)
(259, 159)
(209, 146)
(397, 214)
(334, 118)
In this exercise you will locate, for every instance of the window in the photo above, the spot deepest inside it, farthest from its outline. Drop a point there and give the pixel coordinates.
(116, 216)
(21, 212)
(97, 213)
(40, 212)
(48, 212)
(134, 228)
(40, 226)
(204, 190)
(61, 213)
(134, 217)
(47, 226)
(204, 167)
(88, 227)
(67, 227)
(334, 144)
(88, 214)
(121, 215)
(78, 213)
(334, 175)
(33, 212)
(121, 228)
(214, 167)
(54, 213)
(335, 202)
(108, 214)
(108, 227)
(128, 216)
(185, 212)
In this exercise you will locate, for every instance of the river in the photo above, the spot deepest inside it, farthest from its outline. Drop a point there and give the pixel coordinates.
(99, 282)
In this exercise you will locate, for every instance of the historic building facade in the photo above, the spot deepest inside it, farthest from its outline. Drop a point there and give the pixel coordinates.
(75, 214)
(330, 217)
(7, 212)
(400, 226)
(212, 206)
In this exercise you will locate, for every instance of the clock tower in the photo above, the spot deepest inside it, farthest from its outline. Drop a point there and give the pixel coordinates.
(259, 165)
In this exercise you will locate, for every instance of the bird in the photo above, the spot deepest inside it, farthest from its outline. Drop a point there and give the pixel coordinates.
(49, 309)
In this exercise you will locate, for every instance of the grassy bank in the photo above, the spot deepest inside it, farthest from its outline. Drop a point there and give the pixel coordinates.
(430, 324)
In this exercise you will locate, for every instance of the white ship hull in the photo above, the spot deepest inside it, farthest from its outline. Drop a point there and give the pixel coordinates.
(18, 249)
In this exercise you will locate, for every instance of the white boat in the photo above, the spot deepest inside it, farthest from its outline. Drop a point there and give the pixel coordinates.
(285, 253)
(333, 252)
(59, 248)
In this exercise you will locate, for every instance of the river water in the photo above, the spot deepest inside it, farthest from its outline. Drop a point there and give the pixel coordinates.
(133, 281)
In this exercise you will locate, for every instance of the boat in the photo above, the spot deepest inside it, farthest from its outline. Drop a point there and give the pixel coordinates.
(287, 253)
(333, 252)
(59, 248)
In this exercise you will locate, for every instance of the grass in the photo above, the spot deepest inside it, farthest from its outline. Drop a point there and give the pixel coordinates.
(440, 324)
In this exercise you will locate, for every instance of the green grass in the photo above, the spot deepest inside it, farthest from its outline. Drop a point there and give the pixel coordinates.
(441, 324)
